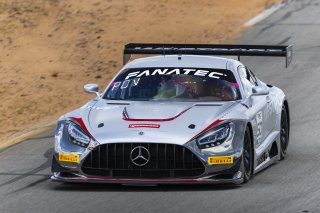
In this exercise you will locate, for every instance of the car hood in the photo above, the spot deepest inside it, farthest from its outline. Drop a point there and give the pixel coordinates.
(154, 122)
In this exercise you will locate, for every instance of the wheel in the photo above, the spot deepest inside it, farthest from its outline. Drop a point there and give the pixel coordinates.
(284, 133)
(247, 156)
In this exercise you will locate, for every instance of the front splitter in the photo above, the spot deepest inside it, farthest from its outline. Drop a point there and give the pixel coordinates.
(144, 181)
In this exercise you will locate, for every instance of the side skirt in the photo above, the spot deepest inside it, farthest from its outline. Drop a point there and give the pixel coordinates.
(264, 155)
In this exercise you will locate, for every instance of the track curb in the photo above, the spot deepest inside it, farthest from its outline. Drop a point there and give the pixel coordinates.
(265, 14)
(27, 135)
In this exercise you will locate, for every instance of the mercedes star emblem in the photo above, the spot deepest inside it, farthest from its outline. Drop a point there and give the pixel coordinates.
(140, 156)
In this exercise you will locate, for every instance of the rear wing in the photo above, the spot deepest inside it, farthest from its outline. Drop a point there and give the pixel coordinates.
(207, 49)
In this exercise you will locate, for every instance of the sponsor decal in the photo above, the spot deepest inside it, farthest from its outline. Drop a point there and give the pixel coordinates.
(259, 117)
(270, 110)
(134, 76)
(259, 120)
(175, 71)
(68, 157)
(220, 160)
(144, 126)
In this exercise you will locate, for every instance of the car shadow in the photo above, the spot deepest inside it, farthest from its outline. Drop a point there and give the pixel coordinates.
(100, 187)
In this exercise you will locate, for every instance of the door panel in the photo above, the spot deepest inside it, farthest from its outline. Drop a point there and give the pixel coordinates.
(262, 106)
(259, 109)
(269, 113)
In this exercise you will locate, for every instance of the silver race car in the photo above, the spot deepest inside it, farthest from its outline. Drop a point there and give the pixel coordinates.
(184, 116)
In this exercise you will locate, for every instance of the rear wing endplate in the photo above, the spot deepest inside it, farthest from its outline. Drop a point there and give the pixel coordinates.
(207, 49)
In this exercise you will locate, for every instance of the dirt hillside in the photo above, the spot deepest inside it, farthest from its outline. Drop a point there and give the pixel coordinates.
(50, 48)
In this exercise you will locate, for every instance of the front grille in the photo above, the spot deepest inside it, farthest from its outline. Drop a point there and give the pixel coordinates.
(166, 161)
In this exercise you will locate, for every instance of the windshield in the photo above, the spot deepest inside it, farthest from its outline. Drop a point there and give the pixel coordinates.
(174, 84)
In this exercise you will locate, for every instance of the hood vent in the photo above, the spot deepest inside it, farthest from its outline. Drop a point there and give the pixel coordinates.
(118, 103)
(208, 104)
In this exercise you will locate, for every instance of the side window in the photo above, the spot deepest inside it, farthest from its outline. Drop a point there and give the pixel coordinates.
(245, 79)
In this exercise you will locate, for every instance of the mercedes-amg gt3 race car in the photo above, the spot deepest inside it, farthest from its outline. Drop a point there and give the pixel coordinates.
(184, 116)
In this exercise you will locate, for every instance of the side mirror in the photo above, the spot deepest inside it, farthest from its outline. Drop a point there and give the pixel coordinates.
(92, 88)
(260, 90)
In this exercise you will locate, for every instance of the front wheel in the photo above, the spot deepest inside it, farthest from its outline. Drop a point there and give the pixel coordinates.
(247, 159)
(284, 133)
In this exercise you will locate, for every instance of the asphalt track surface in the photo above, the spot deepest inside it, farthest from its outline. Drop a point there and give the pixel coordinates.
(292, 185)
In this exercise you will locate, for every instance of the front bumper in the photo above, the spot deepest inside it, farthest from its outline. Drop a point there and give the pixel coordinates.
(73, 171)
(228, 175)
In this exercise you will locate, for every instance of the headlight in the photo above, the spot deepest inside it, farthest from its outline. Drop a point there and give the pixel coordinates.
(219, 137)
(77, 135)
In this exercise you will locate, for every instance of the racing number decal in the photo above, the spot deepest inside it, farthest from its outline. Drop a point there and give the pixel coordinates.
(125, 83)
(259, 120)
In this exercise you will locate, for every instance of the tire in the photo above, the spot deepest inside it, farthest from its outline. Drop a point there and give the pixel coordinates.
(284, 133)
(247, 159)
